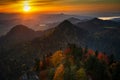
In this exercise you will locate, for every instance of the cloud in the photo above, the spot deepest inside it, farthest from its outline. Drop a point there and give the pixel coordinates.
(6, 2)
(92, 1)
(44, 2)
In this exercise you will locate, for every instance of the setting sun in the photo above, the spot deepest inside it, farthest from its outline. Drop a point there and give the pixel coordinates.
(26, 8)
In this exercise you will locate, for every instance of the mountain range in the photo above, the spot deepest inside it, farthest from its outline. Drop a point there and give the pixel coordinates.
(22, 44)
(33, 21)
(81, 33)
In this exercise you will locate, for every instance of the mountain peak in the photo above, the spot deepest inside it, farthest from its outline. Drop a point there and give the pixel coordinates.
(73, 18)
(65, 23)
(20, 29)
(66, 27)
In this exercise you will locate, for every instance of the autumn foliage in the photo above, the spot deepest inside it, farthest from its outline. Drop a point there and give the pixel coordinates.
(59, 73)
(76, 63)
(57, 58)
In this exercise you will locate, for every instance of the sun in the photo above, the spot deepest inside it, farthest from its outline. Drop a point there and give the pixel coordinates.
(26, 8)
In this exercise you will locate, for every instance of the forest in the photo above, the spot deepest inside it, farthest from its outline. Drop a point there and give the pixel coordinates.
(74, 63)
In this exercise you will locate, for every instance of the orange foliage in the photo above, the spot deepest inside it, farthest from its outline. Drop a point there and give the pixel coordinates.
(57, 58)
(59, 73)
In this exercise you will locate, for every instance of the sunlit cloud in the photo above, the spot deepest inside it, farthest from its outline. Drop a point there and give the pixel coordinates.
(108, 18)
(61, 5)
(4, 2)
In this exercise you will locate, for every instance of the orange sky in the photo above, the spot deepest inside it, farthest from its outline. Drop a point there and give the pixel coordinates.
(83, 6)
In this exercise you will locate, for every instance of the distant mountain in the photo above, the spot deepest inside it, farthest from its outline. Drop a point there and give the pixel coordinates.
(18, 34)
(74, 20)
(33, 21)
(96, 24)
(20, 31)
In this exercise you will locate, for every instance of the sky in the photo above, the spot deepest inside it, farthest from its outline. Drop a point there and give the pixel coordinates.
(68, 6)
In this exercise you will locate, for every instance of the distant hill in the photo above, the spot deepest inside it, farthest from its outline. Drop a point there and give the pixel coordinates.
(74, 20)
(33, 21)
(18, 34)
(96, 24)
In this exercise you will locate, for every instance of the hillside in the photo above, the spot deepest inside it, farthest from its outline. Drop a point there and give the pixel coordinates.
(106, 41)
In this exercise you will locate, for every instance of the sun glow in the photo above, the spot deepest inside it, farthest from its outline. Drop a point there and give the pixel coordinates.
(26, 7)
